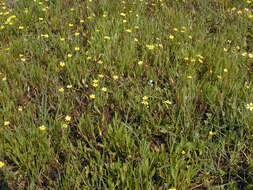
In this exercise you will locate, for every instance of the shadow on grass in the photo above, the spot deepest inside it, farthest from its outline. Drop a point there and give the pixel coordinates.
(3, 184)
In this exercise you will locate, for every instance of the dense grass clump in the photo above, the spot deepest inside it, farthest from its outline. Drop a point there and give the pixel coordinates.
(133, 94)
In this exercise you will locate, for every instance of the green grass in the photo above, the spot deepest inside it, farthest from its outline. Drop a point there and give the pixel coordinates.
(158, 100)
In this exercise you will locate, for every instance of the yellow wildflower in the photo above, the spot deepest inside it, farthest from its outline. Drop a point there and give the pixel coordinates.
(1, 164)
(104, 89)
(168, 102)
(250, 106)
(67, 118)
(69, 86)
(140, 62)
(20, 109)
(115, 77)
(92, 96)
(150, 47)
(61, 90)
(171, 37)
(6, 123)
(42, 128)
(77, 33)
(211, 133)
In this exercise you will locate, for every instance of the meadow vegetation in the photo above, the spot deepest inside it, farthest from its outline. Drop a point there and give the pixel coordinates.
(126, 94)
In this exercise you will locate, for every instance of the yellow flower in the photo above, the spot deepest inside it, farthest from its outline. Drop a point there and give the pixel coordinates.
(67, 118)
(211, 133)
(250, 55)
(140, 62)
(225, 70)
(20, 108)
(189, 77)
(250, 106)
(145, 98)
(136, 40)
(200, 60)
(81, 21)
(219, 77)
(4, 79)
(225, 49)
(124, 21)
(62, 39)
(44, 35)
(62, 64)
(151, 47)
(115, 77)
(190, 37)
(77, 33)
(183, 152)
(145, 102)
(107, 38)
(92, 96)
(40, 18)
(61, 90)
(69, 86)
(42, 128)
(64, 126)
(128, 30)
(171, 37)
(77, 48)
(70, 25)
(100, 62)
(104, 89)
(122, 14)
(6, 123)
(1, 164)
(95, 85)
(69, 55)
(168, 102)
(101, 76)
(137, 27)
(21, 27)
(244, 54)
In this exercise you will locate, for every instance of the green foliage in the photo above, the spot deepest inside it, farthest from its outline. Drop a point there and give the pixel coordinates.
(140, 94)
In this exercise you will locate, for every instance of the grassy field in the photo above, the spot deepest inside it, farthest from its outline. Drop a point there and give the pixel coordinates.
(134, 94)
